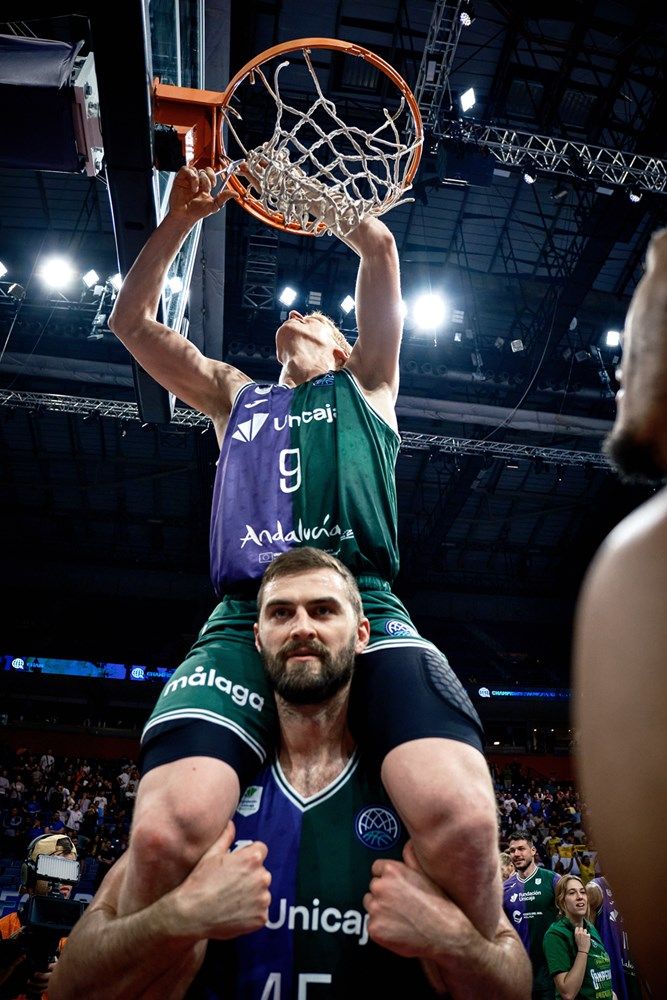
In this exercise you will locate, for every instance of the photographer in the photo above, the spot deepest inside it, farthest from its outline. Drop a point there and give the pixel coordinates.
(31, 937)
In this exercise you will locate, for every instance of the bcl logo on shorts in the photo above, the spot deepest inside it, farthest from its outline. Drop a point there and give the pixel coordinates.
(252, 797)
(397, 629)
(377, 828)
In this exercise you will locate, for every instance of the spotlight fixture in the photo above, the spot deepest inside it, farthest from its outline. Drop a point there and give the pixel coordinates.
(466, 13)
(529, 176)
(467, 99)
(347, 305)
(116, 280)
(287, 296)
(56, 272)
(430, 312)
(516, 345)
(612, 338)
(635, 194)
(3, 270)
(90, 278)
(559, 193)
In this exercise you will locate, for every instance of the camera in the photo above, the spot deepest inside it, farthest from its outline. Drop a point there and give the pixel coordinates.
(48, 874)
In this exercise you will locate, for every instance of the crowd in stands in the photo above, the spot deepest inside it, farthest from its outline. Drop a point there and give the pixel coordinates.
(89, 800)
(550, 813)
(92, 801)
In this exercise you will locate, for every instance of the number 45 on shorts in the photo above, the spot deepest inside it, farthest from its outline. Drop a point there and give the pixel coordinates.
(273, 985)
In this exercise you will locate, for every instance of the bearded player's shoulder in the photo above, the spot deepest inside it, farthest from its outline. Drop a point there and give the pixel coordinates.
(635, 549)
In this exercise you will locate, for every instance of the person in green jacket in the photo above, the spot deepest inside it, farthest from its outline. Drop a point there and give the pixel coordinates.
(575, 955)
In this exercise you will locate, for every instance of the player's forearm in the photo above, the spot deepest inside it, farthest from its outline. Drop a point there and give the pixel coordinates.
(140, 293)
(499, 968)
(143, 955)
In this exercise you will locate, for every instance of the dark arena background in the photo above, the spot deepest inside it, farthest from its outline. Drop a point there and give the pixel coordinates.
(530, 216)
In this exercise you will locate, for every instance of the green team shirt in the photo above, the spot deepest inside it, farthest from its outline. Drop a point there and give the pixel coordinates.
(530, 905)
(560, 952)
(313, 465)
(315, 945)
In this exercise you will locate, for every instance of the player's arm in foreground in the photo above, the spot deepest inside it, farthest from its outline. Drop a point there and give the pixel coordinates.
(173, 361)
(410, 915)
(155, 953)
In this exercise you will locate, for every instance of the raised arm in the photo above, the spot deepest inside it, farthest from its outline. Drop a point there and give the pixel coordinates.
(171, 359)
(155, 953)
(410, 915)
(374, 358)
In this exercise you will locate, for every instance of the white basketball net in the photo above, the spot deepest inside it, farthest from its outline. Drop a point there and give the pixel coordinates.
(342, 175)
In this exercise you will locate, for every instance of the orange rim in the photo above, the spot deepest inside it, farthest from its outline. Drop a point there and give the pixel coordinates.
(249, 202)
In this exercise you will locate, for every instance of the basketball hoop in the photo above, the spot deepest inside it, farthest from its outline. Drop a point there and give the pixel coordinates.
(317, 173)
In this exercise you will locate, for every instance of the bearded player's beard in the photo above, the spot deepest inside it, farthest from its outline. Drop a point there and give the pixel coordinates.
(634, 460)
(311, 682)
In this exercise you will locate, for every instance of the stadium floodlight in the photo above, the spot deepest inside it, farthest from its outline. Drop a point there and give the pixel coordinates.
(56, 272)
(347, 305)
(466, 13)
(613, 338)
(90, 278)
(429, 312)
(116, 280)
(287, 296)
(175, 284)
(467, 99)
(3, 270)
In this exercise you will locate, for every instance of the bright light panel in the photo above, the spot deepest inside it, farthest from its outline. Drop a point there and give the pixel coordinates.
(467, 99)
(3, 270)
(56, 272)
(90, 278)
(429, 312)
(613, 338)
(175, 284)
(287, 296)
(347, 305)
(116, 281)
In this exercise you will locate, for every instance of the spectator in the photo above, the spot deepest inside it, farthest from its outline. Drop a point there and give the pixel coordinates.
(574, 952)
(12, 828)
(586, 868)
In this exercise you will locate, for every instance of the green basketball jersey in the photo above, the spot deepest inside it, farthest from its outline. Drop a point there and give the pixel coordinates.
(315, 945)
(312, 465)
